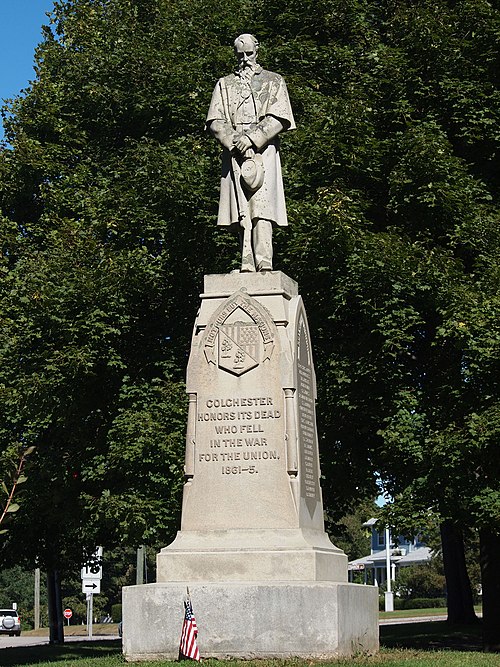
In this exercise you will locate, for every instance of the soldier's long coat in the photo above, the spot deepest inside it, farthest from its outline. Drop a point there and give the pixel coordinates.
(271, 100)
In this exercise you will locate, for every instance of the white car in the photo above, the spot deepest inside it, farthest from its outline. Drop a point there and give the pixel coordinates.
(10, 623)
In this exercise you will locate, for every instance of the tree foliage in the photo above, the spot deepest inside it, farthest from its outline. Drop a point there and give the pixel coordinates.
(108, 195)
(13, 462)
(348, 532)
(421, 581)
(16, 586)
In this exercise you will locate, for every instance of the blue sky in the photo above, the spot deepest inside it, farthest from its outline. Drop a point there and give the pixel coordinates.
(20, 32)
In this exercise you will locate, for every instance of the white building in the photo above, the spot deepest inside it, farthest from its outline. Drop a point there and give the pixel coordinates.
(374, 566)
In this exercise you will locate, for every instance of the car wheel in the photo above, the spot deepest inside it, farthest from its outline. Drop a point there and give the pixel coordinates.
(18, 634)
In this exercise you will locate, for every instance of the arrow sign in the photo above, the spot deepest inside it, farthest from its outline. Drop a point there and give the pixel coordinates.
(91, 586)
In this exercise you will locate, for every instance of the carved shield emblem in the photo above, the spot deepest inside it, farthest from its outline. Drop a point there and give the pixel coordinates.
(240, 335)
(239, 347)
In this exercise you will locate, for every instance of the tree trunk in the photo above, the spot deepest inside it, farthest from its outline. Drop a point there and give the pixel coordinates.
(56, 623)
(489, 542)
(459, 591)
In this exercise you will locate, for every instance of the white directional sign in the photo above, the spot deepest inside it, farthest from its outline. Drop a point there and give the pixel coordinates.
(91, 586)
(93, 569)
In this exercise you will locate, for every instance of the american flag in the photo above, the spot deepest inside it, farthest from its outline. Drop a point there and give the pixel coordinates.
(188, 647)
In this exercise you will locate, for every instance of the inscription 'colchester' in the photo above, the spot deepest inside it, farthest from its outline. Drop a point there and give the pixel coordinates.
(236, 402)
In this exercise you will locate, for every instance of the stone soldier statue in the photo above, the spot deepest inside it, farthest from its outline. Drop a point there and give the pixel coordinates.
(248, 111)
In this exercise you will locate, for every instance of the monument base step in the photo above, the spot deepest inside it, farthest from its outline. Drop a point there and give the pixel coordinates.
(249, 620)
(251, 555)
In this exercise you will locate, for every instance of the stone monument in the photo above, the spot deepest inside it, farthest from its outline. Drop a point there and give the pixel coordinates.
(264, 578)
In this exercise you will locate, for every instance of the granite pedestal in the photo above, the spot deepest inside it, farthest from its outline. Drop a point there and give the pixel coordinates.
(264, 578)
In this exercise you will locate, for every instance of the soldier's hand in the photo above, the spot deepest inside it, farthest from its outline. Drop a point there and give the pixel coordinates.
(242, 143)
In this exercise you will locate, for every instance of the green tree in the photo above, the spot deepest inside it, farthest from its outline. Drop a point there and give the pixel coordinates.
(348, 532)
(13, 461)
(103, 195)
(108, 196)
(395, 243)
(18, 585)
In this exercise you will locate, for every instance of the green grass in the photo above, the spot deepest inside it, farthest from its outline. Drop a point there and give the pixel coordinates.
(432, 636)
(77, 630)
(431, 644)
(78, 654)
(108, 654)
(415, 613)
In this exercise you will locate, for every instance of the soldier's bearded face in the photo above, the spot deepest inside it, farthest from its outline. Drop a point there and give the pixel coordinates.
(246, 52)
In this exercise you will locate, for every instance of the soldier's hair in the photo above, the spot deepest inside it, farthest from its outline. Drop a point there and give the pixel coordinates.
(244, 37)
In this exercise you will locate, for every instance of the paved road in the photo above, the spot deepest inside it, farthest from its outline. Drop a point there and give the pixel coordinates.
(26, 640)
(418, 619)
(413, 619)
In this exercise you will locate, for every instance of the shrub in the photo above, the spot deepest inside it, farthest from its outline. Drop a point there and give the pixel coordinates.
(413, 603)
(116, 613)
(424, 603)
(425, 580)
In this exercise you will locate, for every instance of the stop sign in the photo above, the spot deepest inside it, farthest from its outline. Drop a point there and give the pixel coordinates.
(67, 613)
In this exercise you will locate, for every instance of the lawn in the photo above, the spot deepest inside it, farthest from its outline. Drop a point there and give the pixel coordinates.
(432, 636)
(415, 613)
(426, 644)
(98, 629)
(108, 654)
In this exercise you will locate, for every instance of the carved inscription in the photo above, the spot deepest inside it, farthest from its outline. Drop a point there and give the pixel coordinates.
(238, 433)
(307, 421)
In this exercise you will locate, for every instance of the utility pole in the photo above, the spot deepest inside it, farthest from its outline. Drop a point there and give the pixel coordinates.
(37, 599)
(139, 579)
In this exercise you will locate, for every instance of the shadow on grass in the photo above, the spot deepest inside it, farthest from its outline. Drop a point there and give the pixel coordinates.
(32, 655)
(426, 636)
(432, 636)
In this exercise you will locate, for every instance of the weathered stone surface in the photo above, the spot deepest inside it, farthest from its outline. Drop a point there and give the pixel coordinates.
(253, 620)
(249, 109)
(264, 577)
(252, 505)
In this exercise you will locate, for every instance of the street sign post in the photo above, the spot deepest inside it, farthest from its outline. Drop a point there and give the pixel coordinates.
(91, 583)
(67, 613)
